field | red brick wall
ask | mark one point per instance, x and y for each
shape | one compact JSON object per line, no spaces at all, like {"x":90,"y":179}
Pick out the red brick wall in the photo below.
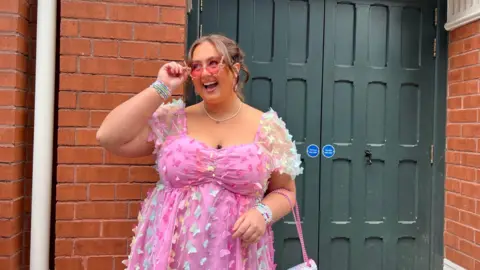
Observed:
{"x":109,"y":51}
{"x":17,"y":32}
{"x":462,"y":209}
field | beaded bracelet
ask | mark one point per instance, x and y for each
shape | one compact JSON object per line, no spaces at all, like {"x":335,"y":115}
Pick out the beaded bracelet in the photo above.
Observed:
{"x":161,"y":89}
{"x":265,"y":211}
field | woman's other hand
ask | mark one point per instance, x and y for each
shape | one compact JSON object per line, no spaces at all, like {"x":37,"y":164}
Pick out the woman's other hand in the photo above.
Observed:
{"x":172,"y":75}
{"x":250,"y":227}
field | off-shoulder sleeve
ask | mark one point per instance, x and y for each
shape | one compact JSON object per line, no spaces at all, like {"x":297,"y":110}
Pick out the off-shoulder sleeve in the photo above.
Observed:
{"x":278,"y":141}
{"x":165,"y":122}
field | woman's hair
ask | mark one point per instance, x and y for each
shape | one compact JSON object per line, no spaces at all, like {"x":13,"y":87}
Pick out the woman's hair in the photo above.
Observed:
{"x":231,"y":53}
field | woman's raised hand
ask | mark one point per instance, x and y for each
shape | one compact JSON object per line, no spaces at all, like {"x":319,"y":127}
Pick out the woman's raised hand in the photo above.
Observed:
{"x":172,"y":75}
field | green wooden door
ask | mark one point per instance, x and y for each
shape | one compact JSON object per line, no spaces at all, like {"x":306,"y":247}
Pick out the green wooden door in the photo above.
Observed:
{"x":278,"y":38}
{"x":378,"y":92}
{"x":358,"y":76}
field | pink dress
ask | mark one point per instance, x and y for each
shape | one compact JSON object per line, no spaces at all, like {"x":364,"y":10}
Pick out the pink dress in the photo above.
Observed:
{"x":186,"y":220}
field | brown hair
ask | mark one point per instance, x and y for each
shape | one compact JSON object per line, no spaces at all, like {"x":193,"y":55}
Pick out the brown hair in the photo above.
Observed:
{"x":231,"y":53}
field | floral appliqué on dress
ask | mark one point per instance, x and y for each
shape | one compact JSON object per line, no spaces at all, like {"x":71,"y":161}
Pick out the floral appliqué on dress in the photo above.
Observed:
{"x":186,"y":221}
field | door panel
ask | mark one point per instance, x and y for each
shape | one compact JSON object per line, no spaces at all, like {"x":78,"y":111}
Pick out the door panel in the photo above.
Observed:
{"x":283,"y":44}
{"x":378,"y":97}
{"x":365,"y":80}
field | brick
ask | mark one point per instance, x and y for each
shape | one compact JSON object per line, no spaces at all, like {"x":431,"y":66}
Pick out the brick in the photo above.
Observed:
{"x":82,"y":82}
{"x":462,"y":116}
{"x":11,"y":135}
{"x":452,"y":213}
{"x":464,"y":60}
{"x":101,"y":101}
{"x":178,"y":3}
{"x":12,"y":79}
{"x":83,"y":10}
{"x":65,"y":173}
{"x":147,"y":68}
{"x":13,"y":43}
{"x":471,"y":73}
{"x":460,"y":144}
{"x":14,"y":61}
{"x":118,"y":228}
{"x":101,"y":192}
{"x":11,"y":209}
{"x":101,"y":210}
{"x":65,"y":211}
{"x":86,"y":137}
{"x":11,"y":190}
{"x":76,"y":46}
{"x":100,"y":263}
{"x":139,"y":50}
{"x":63,"y":247}
{"x":113,"y":159}
{"x":12,"y":153}
{"x":455,"y":48}
{"x":74,"y":229}
{"x":124,"y":84}
{"x":143,"y":174}
{"x":68,"y":192}
{"x":460,"y":259}
{"x":455,"y":75}
{"x":13,"y":23}
{"x":471,"y":190}
{"x":454,"y":103}
{"x":463,"y":88}
{"x":105,"y":48}
{"x":96,"y":118}
{"x":68,"y":63}
{"x":67,"y":118}
{"x":67,"y":99}
{"x":461,"y":172}
{"x":102,"y":174}
{"x":459,"y":230}
{"x":10,"y":227}
{"x":172,"y":51}
{"x":66,"y":136}
{"x":69,"y":263}
{"x":166,"y":33}
{"x":173,"y":15}
{"x":105,"y":247}
{"x":10,"y":246}
{"x":146,"y":14}
{"x":128,"y":192}
{"x":79,"y":155}
{"x":69,"y":28}
{"x":471,"y":43}
{"x":106,"y":30}
{"x":105,"y":66}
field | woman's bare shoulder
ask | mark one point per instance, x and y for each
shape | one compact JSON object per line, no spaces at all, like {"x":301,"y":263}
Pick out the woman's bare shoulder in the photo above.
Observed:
{"x":254,"y":112}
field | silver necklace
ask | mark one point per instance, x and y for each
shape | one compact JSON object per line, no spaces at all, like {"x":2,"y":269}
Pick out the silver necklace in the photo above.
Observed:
{"x":218,"y":121}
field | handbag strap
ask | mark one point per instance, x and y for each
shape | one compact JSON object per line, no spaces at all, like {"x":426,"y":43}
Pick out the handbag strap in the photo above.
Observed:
{"x":296,"y":217}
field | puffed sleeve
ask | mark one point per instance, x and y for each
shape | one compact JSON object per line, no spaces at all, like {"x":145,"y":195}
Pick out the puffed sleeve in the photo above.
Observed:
{"x":278,"y":141}
{"x":164,"y":122}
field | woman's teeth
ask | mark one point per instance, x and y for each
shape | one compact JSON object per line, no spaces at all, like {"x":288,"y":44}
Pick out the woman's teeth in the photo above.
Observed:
{"x":210,"y":85}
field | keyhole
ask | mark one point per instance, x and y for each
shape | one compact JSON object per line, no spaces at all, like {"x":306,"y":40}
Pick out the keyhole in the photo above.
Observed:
{"x":368,"y":155}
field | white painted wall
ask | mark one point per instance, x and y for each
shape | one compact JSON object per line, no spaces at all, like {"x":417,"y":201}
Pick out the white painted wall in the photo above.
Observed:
{"x":461,"y":12}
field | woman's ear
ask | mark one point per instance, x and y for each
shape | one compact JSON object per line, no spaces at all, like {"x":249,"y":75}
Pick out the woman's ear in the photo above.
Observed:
{"x":236,"y":69}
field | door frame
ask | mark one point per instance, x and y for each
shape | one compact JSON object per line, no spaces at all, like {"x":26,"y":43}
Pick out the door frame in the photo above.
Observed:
{"x":440,"y":110}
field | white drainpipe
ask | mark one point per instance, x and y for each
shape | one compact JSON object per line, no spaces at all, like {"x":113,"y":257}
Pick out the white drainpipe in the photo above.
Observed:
{"x":43,"y":134}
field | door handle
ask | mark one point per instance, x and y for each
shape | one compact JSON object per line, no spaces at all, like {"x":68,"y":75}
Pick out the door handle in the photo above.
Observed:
{"x":368,"y":156}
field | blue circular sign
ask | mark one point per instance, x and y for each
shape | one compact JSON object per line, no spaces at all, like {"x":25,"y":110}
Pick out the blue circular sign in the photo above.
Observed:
{"x":313,"y":150}
{"x":328,"y":151}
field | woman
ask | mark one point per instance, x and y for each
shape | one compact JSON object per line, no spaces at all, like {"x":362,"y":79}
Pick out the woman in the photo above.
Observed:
{"x":218,"y":160}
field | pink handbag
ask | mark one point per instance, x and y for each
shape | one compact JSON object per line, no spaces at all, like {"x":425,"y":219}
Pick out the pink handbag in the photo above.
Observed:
{"x":308,"y":264}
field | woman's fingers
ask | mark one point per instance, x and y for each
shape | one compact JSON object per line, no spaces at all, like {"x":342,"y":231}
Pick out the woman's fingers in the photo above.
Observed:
{"x":241,"y":230}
